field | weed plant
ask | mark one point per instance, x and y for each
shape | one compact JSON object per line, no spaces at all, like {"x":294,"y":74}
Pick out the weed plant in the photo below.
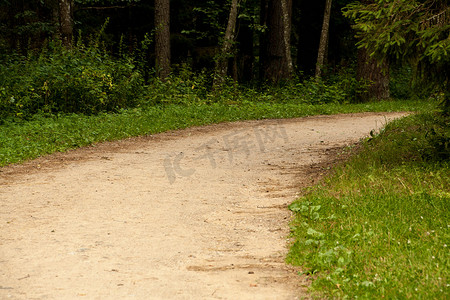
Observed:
{"x":379,"y":227}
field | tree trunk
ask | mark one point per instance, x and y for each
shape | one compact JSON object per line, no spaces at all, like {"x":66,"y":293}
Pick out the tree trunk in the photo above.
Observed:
{"x":264,"y":12}
{"x":222,"y":61}
{"x":276,"y":65}
{"x":286,"y":12}
{"x":374,"y":75}
{"x":323,"y":39}
{"x":162,"y":37}
{"x":66,"y":22}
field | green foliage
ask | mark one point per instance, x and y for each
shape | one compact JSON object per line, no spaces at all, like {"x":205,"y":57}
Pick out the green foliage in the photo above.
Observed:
{"x":340,"y":87}
{"x":400,"y":83}
{"x":404,"y":29}
{"x":87,"y":80}
{"x":33,"y":25}
{"x":141,"y":55}
{"x":208,"y":24}
{"x":408,"y":32}
{"x":186,"y":88}
{"x":378,"y":228}
{"x":82,"y":80}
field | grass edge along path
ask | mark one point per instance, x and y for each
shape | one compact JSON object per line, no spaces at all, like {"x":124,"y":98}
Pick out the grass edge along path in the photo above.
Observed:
{"x":379,"y":226}
{"x":28,"y":140}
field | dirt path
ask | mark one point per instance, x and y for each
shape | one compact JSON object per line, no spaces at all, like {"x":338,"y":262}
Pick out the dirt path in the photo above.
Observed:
{"x":193,"y":214}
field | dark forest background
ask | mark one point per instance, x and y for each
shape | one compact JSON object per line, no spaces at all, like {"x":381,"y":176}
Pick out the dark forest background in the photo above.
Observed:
{"x":88,"y":56}
{"x":196,"y":30}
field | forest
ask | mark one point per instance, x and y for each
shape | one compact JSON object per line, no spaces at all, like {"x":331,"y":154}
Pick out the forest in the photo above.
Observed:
{"x":75,"y":73}
{"x":89,"y":56}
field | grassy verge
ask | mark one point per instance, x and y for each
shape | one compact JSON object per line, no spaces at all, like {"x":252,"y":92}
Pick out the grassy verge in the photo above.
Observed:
{"x":40,"y":136}
{"x":379,"y":226}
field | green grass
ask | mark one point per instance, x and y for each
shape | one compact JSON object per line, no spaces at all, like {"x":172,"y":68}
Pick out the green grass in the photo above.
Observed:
{"x":27,"y":140}
{"x":379,"y":226}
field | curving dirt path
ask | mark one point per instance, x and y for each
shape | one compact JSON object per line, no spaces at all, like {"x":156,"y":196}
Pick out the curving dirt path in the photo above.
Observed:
{"x":192,"y":214}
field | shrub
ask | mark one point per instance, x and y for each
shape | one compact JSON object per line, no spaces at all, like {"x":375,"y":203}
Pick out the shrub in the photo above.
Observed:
{"x":400,"y":82}
{"x":81,"y":80}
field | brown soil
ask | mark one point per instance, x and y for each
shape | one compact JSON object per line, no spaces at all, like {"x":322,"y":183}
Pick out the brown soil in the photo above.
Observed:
{"x":192,"y":214}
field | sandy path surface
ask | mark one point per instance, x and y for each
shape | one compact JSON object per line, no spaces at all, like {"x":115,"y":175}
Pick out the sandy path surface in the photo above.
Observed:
{"x":193,"y":214}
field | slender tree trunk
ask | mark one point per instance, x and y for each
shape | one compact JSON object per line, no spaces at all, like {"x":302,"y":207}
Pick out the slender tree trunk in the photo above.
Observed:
{"x":264,"y":11}
{"x":323,"y":39}
{"x":374,"y":75}
{"x":222,"y":61}
{"x":66,"y":22}
{"x":287,"y":34}
{"x":274,"y":48}
{"x":162,"y":37}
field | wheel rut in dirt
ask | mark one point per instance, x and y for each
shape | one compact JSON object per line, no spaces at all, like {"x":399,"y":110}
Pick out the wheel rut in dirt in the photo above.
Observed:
{"x":199,"y":213}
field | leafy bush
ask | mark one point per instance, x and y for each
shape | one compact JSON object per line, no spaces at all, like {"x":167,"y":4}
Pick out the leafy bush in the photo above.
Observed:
{"x":400,"y":82}
{"x":340,"y":87}
{"x":320,"y":92}
{"x":87,"y":80}
{"x":182,"y":87}
{"x":81,"y":80}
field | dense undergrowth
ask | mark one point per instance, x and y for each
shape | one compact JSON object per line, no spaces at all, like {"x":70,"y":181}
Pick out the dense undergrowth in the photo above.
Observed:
{"x":55,"y":80}
{"x":379,"y":226}
{"x":88,"y":80}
